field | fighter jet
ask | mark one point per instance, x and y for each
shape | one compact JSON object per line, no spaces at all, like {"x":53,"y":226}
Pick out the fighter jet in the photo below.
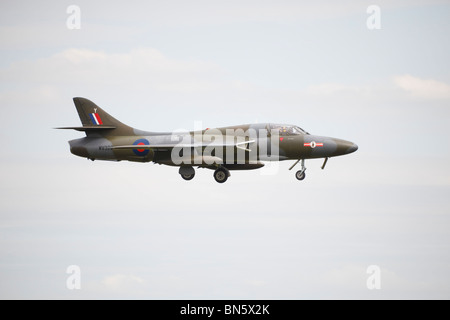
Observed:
{"x":242,"y":147}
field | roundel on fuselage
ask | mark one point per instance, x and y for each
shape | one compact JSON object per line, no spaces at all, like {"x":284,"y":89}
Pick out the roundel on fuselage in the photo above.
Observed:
{"x":141,"y":152}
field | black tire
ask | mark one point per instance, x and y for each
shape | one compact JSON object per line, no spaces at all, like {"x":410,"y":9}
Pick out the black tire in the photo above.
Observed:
{"x":300,"y":175}
{"x":221,"y":175}
{"x":187,"y":176}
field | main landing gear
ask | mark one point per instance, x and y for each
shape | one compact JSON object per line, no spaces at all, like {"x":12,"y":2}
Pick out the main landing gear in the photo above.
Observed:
{"x":220,"y":175}
{"x":187,"y":172}
{"x":188,"y":176}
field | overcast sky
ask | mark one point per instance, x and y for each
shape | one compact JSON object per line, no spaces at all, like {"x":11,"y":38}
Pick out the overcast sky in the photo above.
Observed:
{"x":140,"y":231}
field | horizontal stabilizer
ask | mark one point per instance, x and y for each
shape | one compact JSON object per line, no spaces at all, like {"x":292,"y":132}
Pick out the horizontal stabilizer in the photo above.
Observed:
{"x":89,"y":128}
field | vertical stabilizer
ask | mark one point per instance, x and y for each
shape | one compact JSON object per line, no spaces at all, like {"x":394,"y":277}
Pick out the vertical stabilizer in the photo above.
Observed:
{"x":94,"y":118}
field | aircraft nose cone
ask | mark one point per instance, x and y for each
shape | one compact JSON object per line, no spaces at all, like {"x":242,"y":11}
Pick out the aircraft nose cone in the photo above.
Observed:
{"x":352,"y":148}
{"x":344,"y":147}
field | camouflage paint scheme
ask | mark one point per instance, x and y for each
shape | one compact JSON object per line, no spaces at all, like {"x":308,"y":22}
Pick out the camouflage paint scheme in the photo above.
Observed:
{"x":240,"y":147}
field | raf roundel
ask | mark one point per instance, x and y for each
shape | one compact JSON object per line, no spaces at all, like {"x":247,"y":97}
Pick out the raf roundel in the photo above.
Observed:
{"x":313,"y":144}
{"x":141,"y":152}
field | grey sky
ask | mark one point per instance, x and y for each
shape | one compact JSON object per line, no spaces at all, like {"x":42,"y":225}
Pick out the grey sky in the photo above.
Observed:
{"x":140,"y":231}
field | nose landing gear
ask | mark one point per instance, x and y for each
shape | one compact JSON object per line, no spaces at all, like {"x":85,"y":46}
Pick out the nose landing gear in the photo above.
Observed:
{"x":300,"y":174}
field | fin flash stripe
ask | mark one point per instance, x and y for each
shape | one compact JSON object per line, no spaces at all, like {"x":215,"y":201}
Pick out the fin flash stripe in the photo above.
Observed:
{"x":95,"y":118}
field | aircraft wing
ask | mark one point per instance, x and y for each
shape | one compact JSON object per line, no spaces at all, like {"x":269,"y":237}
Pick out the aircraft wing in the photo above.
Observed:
{"x":245,"y":145}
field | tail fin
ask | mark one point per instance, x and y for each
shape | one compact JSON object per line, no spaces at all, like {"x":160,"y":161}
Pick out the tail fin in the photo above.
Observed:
{"x":92,"y":115}
{"x":95,"y":119}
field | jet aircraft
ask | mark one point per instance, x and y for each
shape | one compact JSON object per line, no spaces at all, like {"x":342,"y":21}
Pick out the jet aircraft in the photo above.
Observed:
{"x":242,"y":147}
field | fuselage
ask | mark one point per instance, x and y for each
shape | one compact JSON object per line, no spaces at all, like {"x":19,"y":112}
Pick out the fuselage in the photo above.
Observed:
{"x":255,"y":143}
{"x":243,"y":147}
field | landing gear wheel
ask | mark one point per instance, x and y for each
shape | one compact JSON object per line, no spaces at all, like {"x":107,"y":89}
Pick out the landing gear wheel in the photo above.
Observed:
{"x":187,"y":172}
{"x":300,"y":174}
{"x":221,"y":175}
{"x":187,"y":176}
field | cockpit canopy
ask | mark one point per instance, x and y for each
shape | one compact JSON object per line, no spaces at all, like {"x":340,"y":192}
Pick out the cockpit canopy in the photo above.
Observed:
{"x":286,"y":129}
